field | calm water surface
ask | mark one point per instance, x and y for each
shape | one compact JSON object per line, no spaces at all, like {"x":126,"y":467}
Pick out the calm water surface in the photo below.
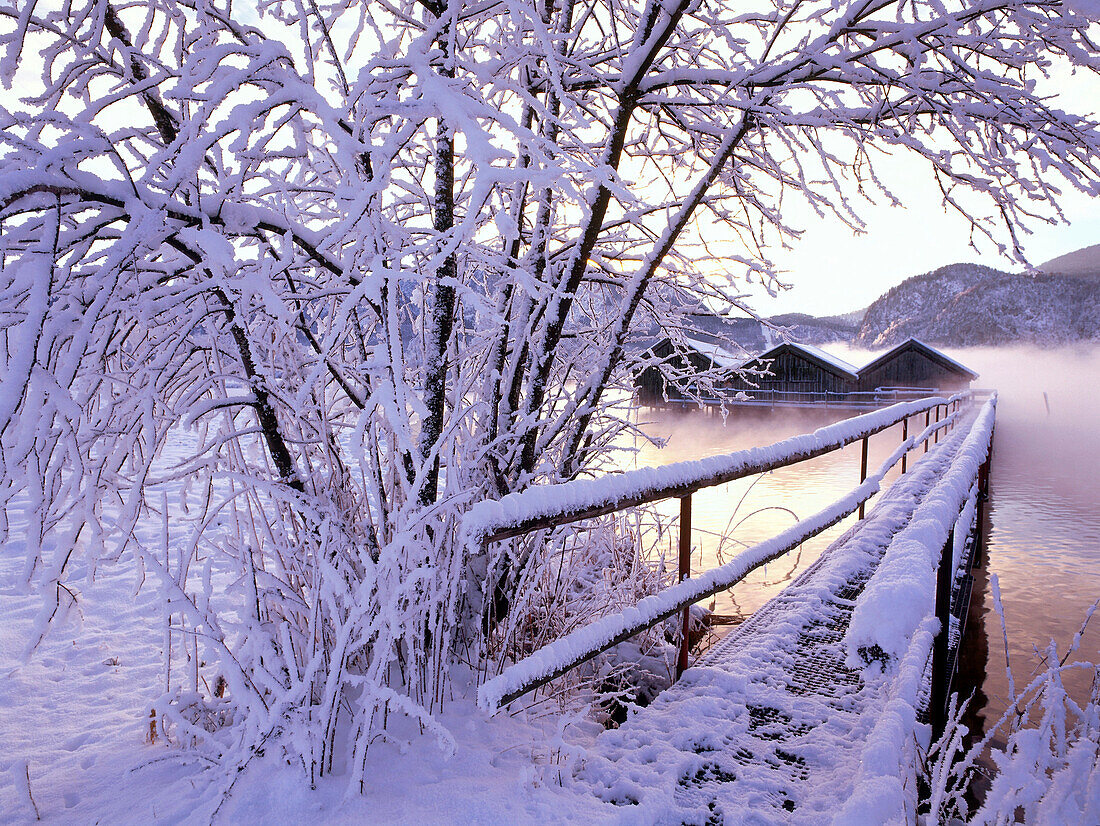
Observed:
{"x":1044,"y":538}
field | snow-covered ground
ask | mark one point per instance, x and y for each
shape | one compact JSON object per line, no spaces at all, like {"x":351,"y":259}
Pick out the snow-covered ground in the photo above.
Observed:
{"x":72,"y":712}
{"x":74,"y":718}
{"x":74,"y":729}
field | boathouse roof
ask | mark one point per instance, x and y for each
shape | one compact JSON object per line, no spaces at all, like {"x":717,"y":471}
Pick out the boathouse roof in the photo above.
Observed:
{"x":826,"y":361}
{"x":931,"y":353}
{"x":714,"y":351}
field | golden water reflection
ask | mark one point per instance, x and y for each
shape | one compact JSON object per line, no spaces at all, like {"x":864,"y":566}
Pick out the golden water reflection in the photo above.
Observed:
{"x":728,"y":518}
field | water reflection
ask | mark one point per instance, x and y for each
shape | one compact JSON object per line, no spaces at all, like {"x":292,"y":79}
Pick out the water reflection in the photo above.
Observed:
{"x":728,"y":518}
{"x":1044,"y":538}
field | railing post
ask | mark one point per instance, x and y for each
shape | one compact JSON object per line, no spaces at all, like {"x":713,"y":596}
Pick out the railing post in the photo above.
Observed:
{"x":685,"y":572}
{"x":927,"y":421}
{"x":904,"y":436}
{"x":945,"y":576}
{"x":863,"y":472}
{"x":983,"y":498}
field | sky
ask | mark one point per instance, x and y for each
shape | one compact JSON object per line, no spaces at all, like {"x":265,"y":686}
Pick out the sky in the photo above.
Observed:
{"x":833,"y":271}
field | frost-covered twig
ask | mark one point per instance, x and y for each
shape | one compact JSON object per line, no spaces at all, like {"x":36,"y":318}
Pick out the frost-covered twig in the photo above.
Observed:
{"x":1048,"y":768}
{"x":325,"y":274}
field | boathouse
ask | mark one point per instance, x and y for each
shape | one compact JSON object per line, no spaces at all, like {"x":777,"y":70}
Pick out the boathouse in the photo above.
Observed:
{"x":796,"y":374}
{"x":914,"y":364}
{"x":671,"y":370}
{"x":792,"y":374}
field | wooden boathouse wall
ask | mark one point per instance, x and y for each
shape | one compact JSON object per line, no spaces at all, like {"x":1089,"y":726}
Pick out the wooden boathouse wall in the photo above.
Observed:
{"x":797,"y":373}
{"x":914,"y":364}
{"x":654,"y":384}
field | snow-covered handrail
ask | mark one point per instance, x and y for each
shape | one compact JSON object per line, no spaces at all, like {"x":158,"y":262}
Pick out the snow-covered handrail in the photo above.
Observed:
{"x":547,"y":506}
{"x":895,"y":614}
{"x":566,"y":653}
{"x":900,"y":593}
{"x":814,"y":399}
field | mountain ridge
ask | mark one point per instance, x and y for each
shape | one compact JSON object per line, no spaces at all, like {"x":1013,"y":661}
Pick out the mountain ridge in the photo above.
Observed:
{"x":959,"y":305}
{"x":974,"y":305}
{"x":1084,"y":262}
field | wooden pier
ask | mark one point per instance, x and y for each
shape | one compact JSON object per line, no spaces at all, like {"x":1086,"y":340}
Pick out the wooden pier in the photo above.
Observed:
{"x":790,"y":712}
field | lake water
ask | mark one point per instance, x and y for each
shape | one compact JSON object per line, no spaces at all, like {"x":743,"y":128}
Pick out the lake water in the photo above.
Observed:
{"x":1044,"y":533}
{"x":1044,"y":538}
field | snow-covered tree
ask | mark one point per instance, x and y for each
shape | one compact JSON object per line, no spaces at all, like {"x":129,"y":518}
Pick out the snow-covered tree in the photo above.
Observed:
{"x":288,"y":285}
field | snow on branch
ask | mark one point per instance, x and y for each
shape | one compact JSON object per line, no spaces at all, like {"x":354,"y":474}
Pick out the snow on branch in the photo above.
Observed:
{"x":350,"y":268}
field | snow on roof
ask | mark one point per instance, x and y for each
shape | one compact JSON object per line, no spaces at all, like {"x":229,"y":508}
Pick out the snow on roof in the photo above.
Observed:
{"x":814,"y":353}
{"x":836,"y":361}
{"x":946,"y":359}
{"x":714,"y":351}
{"x":843,"y":366}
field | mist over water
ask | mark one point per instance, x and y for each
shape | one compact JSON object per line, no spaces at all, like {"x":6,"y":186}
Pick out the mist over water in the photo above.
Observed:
{"x":1044,"y":540}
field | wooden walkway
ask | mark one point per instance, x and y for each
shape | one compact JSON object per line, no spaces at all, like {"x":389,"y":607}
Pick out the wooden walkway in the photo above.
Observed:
{"x":772,"y":725}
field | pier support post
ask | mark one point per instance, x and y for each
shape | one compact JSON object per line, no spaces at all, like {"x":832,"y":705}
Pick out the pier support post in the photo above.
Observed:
{"x":945,"y":575}
{"x":685,"y":572}
{"x":981,"y":516}
{"x":904,"y":436}
{"x":863,"y":473}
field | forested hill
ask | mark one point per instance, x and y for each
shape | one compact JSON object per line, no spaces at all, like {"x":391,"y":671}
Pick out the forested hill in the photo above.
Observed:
{"x":959,"y":305}
{"x":970,"y":304}
{"x":1083,"y":262}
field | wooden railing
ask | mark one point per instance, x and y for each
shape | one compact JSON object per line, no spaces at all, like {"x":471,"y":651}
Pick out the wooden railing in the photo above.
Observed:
{"x":534,"y":510}
{"x":846,"y":400}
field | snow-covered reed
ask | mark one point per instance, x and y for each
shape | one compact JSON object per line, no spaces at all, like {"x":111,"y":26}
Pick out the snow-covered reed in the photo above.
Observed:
{"x":600,"y":568}
{"x":1041,"y":758}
